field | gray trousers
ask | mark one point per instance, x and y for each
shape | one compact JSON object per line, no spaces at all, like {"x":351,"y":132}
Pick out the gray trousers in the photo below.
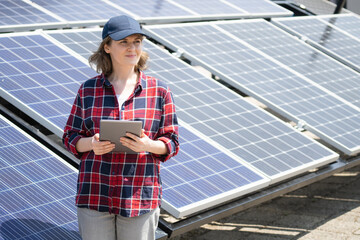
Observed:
{"x":94,"y":225}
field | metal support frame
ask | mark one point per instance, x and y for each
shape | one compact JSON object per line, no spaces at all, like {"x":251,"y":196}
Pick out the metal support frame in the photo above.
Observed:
{"x":340,"y":4}
{"x":185,"y":225}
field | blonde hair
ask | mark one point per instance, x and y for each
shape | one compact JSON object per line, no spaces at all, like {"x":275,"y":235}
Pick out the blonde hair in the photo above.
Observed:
{"x":103,"y":63}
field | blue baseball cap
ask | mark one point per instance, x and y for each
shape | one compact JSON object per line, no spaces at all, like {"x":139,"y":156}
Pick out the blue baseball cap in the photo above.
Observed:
{"x":120,"y":27}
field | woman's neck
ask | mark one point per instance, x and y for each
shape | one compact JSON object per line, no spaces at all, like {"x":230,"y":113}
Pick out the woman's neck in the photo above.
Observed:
{"x":123,"y":75}
{"x":123,"y":82}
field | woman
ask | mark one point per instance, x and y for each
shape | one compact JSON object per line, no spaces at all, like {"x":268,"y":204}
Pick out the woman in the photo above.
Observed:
{"x":119,"y":194}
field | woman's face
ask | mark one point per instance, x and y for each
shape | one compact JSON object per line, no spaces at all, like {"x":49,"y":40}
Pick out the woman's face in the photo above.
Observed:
{"x":126,"y":51}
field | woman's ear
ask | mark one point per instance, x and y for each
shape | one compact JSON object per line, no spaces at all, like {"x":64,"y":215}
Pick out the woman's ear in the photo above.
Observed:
{"x":106,"y":48}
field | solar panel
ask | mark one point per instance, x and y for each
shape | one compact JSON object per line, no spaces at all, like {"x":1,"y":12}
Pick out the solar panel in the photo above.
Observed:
{"x":228,"y":120}
{"x":349,"y":23}
{"x":171,"y":11}
{"x":82,"y":41}
{"x":249,"y":132}
{"x":147,"y":9}
{"x":42,"y":14}
{"x":258,"y":8}
{"x":202,"y":176}
{"x":260,"y":76}
{"x":17,"y":12}
{"x":40,"y":78}
{"x":324,"y":36}
{"x":80,"y":10}
{"x":212,"y":7}
{"x":306,"y":60}
{"x":37,"y":189}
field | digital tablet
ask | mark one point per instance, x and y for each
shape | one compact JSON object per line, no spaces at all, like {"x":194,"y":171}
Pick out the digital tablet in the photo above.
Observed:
{"x":113,"y":130}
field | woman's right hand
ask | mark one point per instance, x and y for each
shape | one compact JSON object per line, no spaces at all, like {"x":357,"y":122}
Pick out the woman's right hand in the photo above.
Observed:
{"x":101,"y":147}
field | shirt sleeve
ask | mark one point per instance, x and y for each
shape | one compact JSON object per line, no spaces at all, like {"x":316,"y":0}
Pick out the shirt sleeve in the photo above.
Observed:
{"x":169,"y":129}
{"x":74,"y":128}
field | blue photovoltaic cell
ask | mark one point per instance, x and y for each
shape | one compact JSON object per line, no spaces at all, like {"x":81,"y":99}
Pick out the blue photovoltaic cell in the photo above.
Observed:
{"x":16,"y":12}
{"x":37,"y":189}
{"x":80,"y":10}
{"x":39,"y":76}
{"x":257,"y":75}
{"x":310,"y":62}
{"x":326,"y":37}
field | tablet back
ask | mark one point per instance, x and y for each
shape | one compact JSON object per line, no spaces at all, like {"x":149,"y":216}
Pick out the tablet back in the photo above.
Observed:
{"x":112,"y":130}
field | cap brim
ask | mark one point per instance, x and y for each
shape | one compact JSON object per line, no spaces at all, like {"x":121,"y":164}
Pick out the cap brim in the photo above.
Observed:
{"x":123,"y":34}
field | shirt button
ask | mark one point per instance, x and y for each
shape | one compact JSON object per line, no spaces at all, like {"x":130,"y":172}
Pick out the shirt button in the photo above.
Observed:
{"x":113,"y":172}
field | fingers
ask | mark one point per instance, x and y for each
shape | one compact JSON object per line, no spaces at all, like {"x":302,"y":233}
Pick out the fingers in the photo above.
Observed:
{"x":97,"y":137}
{"x":132,"y":136}
{"x":135,"y":143}
{"x":101,"y":147}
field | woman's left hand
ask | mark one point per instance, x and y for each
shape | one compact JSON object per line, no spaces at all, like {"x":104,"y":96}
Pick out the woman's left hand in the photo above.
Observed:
{"x":135,"y":143}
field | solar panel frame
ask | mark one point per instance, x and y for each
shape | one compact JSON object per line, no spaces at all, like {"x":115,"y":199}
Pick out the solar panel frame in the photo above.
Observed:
{"x":34,"y":207}
{"x":345,"y":52}
{"x":42,"y":79}
{"x":349,"y":150}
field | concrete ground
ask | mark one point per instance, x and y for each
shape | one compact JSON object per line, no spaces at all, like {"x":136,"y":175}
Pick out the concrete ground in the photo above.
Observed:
{"x":325,"y":210}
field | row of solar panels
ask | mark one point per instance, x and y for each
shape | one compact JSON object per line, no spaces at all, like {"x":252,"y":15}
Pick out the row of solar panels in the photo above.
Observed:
{"x":16,"y":15}
{"x":236,"y":148}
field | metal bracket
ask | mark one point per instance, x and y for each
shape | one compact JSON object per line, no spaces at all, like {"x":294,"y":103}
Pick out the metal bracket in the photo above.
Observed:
{"x":179,"y":53}
{"x":300,"y":125}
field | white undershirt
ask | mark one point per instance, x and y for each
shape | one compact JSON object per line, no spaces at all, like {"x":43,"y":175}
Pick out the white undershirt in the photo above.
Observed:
{"x":121,"y":99}
{"x":126,"y":92}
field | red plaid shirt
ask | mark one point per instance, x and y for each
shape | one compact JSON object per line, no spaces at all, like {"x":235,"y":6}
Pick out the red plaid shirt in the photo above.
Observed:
{"x":120,"y":183}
